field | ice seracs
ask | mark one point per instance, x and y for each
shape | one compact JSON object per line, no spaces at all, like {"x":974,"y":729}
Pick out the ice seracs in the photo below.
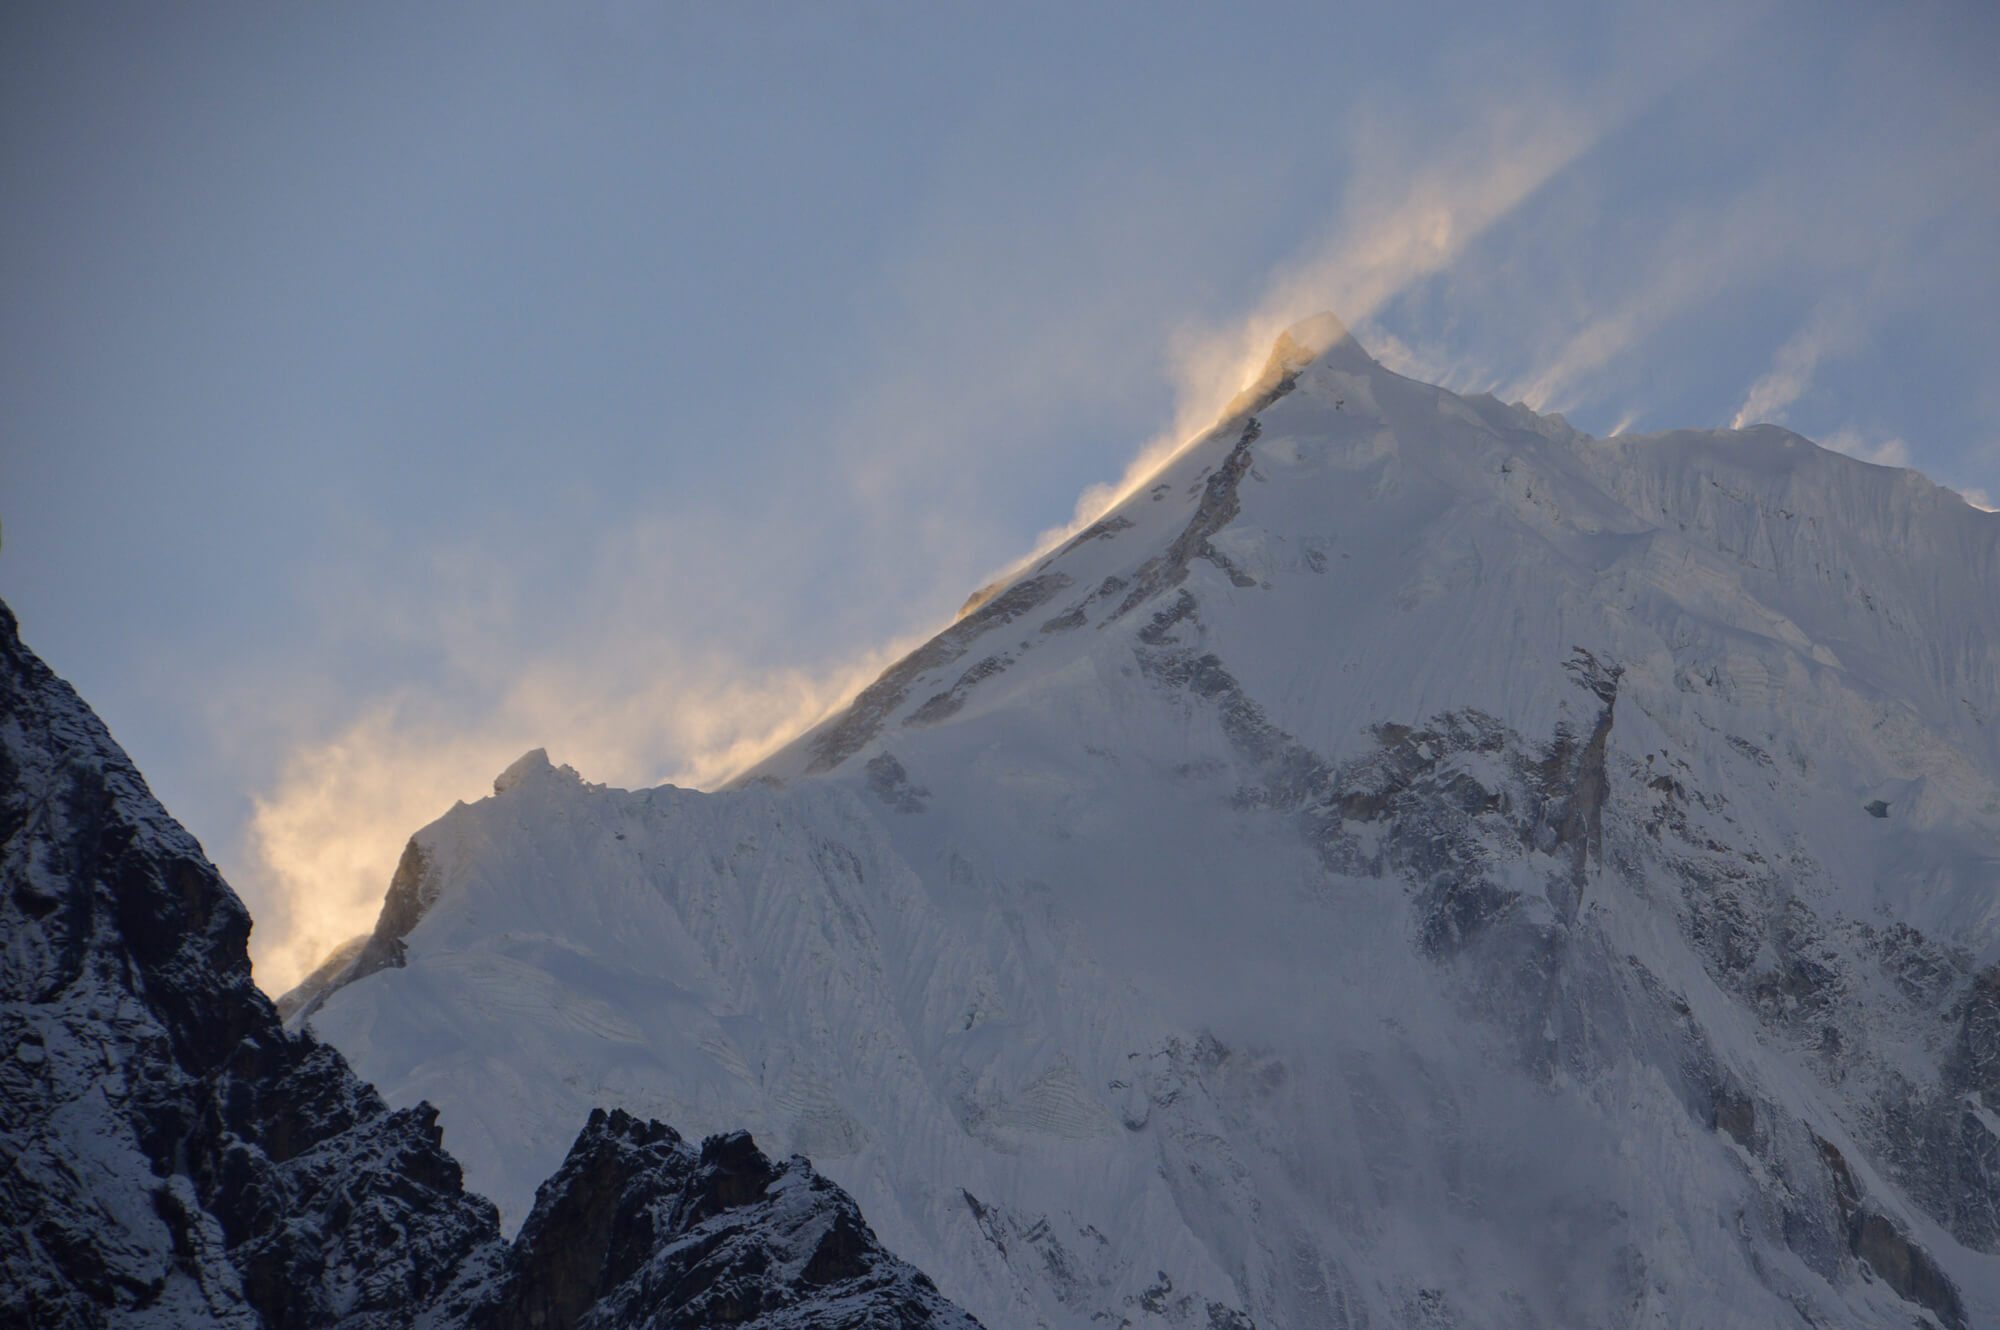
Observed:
{"x":1407,"y":863}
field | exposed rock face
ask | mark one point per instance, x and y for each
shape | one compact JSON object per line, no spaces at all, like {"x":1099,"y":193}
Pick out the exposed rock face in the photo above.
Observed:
{"x":170,"y":1155}
{"x":640,"y":1228}
{"x":864,"y":717}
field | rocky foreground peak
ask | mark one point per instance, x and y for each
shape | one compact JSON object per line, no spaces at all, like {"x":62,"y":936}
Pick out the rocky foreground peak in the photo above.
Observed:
{"x":639,"y":1227}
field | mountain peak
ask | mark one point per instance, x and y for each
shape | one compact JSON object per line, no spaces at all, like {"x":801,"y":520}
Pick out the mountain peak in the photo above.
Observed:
{"x":1312,"y":339}
{"x":1322,"y":339}
{"x":532,"y":765}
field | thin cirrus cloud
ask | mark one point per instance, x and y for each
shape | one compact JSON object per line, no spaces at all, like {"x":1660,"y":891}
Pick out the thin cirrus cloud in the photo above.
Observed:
{"x":1883,"y":452}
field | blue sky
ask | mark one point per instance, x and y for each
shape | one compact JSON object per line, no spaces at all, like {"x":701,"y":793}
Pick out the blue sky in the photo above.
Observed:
{"x":386,"y":389}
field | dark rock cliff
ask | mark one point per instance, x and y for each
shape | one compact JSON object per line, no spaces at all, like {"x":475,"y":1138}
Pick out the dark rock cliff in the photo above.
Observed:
{"x":638,"y":1227}
{"x":167,"y":1151}
{"x":171,"y":1155}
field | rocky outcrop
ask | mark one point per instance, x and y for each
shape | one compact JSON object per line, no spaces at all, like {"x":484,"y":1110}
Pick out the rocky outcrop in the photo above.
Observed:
{"x":1886,"y":1248}
{"x":1468,"y":811}
{"x":638,"y":1227}
{"x":171,"y":1155}
{"x":1414,"y":807}
{"x":1218,"y":508}
{"x":863,"y":718}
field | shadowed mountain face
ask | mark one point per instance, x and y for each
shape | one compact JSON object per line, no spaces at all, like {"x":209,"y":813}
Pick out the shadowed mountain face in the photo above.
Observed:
{"x":1407,"y":864}
{"x":171,"y":1156}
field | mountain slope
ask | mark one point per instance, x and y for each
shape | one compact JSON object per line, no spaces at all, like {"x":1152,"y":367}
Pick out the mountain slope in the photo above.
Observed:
{"x":170,"y":1156}
{"x":1409,"y":863}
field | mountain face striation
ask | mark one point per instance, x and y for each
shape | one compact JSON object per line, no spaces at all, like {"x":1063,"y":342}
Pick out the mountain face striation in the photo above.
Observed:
{"x":1408,"y":864}
{"x":170,"y":1156}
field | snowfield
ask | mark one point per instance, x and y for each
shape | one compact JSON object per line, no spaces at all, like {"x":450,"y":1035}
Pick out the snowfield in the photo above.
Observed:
{"x":1409,"y":864}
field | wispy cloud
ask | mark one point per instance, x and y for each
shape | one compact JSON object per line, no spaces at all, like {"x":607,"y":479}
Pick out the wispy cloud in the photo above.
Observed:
{"x":1695,"y":256}
{"x":1892,"y":451}
{"x":1596,"y":344}
{"x":1634,"y":283}
{"x":1428,"y":360}
{"x":1985,"y":461}
{"x":1833,"y":329}
{"x":656,"y":671}
{"x":1856,"y":443}
{"x":1407,"y":214}
{"x":323,"y":840}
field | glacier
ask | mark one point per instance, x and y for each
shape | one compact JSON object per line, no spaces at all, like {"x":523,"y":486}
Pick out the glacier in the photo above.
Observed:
{"x":1407,"y":863}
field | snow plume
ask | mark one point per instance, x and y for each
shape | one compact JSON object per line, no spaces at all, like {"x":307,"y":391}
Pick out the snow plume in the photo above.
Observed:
{"x":1987,"y":460}
{"x":607,"y":684}
{"x":1429,"y":360}
{"x":1861,"y":229}
{"x":323,"y":843}
{"x":1691,"y":261}
{"x":1421,"y":187}
{"x":1397,"y":225}
{"x":1832,"y":330}
{"x":1853,"y":442}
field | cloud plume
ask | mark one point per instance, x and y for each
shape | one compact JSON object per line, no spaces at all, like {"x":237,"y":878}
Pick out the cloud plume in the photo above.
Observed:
{"x":1882,"y":452}
{"x":323,"y":840}
{"x":602,"y":673}
{"x":1407,"y":214}
{"x":1833,"y":329}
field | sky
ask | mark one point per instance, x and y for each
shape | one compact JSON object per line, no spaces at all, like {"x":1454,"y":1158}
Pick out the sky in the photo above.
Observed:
{"x":388,"y":389}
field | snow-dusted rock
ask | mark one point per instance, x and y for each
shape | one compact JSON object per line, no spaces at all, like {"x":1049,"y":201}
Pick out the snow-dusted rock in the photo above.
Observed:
{"x":638,"y":1227}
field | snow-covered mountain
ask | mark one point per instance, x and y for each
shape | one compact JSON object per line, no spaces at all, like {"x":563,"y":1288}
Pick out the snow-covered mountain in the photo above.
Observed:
{"x":171,"y":1157}
{"x":1409,"y":863}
